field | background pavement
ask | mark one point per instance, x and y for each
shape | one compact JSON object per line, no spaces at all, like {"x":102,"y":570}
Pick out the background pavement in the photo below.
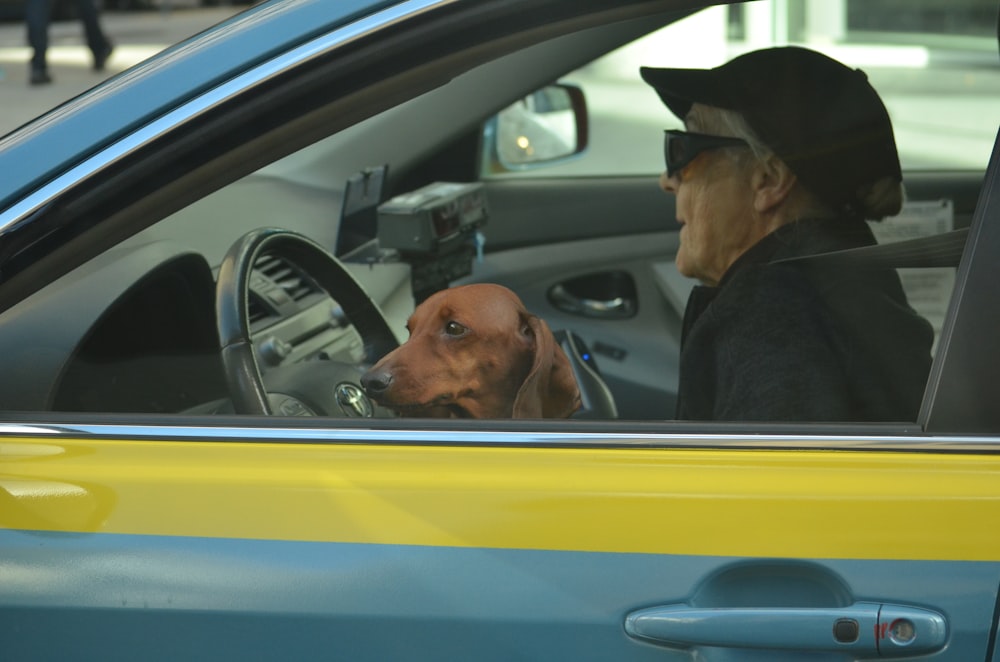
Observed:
{"x":135,"y":34}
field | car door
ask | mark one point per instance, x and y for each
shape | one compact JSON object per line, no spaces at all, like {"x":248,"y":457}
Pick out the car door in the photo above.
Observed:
{"x":350,"y":544}
{"x":396,"y":539}
{"x":185,"y":536}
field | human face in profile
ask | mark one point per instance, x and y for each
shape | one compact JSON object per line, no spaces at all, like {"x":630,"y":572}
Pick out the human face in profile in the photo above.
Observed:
{"x":714,"y":205}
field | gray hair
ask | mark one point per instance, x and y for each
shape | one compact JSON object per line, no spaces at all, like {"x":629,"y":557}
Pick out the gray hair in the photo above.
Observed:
{"x":879,"y":199}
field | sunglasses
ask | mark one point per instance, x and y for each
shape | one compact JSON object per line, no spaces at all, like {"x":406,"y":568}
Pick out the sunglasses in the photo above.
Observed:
{"x":680,"y":147}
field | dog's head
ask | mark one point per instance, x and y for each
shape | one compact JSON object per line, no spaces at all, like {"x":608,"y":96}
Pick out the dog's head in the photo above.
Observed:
{"x":475,"y":351}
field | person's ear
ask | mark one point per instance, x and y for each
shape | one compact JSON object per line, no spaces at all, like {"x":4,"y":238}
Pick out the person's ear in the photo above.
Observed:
{"x":772,"y":183}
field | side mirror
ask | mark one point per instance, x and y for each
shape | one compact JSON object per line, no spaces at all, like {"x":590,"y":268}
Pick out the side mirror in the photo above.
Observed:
{"x":545,"y":127}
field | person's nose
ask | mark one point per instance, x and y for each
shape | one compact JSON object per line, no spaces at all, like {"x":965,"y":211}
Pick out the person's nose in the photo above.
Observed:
{"x":668,"y":184}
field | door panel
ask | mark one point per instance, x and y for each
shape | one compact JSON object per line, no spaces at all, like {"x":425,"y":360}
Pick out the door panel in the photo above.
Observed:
{"x":369,"y":550}
{"x":112,"y":596}
{"x":537,"y":210}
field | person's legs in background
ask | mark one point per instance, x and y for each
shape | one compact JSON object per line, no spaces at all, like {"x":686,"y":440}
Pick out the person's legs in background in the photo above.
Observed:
{"x":98,"y":43}
{"x":36,"y":15}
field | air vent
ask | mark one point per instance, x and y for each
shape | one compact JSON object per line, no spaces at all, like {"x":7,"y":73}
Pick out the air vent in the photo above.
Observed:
{"x":286,"y":276}
{"x":256,"y":310}
{"x":271,"y":273}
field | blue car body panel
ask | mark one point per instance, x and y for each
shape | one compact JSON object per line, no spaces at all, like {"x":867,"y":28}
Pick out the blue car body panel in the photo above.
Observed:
{"x":204,"y":598}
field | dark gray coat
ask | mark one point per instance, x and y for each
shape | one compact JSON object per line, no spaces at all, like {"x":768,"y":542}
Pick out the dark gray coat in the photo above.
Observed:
{"x":800,"y":342}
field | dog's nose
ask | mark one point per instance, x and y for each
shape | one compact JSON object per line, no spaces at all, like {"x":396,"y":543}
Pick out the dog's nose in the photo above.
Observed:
{"x":375,"y":382}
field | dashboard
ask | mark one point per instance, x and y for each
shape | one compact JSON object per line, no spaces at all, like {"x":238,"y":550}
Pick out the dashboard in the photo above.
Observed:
{"x":134,"y":331}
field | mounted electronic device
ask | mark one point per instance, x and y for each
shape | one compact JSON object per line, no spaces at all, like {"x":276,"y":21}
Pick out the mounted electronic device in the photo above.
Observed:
{"x":436,"y":231}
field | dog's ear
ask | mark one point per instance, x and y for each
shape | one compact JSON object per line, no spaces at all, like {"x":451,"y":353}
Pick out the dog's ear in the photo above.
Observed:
{"x":550,"y":389}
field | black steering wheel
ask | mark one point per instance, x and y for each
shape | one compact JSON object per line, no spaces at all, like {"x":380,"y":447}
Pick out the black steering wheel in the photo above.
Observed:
{"x":318,"y":387}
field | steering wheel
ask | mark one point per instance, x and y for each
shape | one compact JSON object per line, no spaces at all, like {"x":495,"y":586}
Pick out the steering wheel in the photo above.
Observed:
{"x":323,"y":387}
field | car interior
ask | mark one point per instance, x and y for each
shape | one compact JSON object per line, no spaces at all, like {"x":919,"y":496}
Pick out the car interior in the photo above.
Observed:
{"x":582,"y":232}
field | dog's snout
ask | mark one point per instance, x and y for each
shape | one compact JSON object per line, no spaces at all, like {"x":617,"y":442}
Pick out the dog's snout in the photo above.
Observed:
{"x":375,"y":382}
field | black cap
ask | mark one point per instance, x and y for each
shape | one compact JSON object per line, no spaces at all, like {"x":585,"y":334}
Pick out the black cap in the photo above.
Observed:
{"x":820,"y":117}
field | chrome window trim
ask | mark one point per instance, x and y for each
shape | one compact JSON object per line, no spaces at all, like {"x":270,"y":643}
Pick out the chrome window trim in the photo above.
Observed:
{"x":692,"y":440}
{"x":22,"y":210}
{"x":960,"y":394}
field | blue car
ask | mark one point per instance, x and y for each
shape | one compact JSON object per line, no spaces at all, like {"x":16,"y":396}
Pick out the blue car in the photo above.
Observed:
{"x":202,"y":257}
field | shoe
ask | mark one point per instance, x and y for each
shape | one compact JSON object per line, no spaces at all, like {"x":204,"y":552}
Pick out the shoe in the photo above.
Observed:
{"x":101,"y":57}
{"x":39,"y":77}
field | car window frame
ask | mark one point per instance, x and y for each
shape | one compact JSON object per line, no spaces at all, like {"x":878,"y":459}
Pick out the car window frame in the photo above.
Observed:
{"x":940,"y":406}
{"x":963,"y":375}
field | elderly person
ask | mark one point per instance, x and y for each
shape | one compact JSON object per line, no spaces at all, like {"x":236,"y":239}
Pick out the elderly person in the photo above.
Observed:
{"x":786,"y":153}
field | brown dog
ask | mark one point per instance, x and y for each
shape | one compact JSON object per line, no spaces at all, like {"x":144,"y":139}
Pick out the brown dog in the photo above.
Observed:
{"x":475,"y":352}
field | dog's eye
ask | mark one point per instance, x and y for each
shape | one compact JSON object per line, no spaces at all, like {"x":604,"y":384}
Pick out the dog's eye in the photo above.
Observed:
{"x":454,"y":329}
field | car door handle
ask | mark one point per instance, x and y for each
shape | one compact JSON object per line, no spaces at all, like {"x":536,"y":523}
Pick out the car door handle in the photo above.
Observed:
{"x":613,"y":308}
{"x":866,"y":628}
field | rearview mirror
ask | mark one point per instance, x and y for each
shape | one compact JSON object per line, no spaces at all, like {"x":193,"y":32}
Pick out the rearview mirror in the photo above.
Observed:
{"x":547,"y":126}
